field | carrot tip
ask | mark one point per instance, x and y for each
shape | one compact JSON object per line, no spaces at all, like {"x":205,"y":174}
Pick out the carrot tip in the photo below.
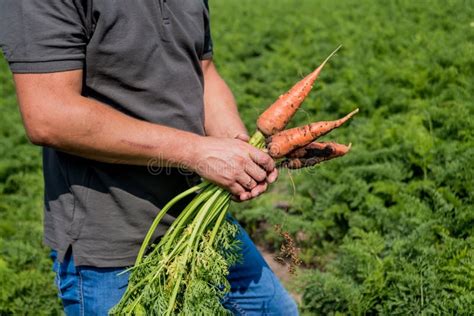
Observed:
{"x":352,"y":113}
{"x":329,"y":57}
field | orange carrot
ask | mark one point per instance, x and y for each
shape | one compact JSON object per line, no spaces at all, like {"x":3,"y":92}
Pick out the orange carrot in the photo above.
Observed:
{"x":286,"y":141}
{"x":313,"y":154}
{"x":277,"y":116}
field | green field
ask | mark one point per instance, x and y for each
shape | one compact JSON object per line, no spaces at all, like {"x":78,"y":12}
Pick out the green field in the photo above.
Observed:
{"x":388,"y":229}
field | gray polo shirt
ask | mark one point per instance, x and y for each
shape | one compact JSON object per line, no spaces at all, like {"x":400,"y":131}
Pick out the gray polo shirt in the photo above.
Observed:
{"x":141,"y":57}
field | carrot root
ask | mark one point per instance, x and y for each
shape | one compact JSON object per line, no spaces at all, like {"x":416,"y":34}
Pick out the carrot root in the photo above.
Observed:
{"x":280,"y":144}
{"x":277,"y":116}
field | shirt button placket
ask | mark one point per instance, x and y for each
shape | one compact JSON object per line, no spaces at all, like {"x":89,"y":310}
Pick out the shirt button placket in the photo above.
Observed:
{"x":165,"y":21}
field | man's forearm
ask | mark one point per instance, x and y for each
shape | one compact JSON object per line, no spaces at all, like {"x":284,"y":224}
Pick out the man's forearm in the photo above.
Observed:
{"x":222,"y":118}
{"x":84,"y":127}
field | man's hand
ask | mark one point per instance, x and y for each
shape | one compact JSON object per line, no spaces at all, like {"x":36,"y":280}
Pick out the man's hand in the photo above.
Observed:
{"x":261,"y":187}
{"x":223,"y":120}
{"x":233,"y":164}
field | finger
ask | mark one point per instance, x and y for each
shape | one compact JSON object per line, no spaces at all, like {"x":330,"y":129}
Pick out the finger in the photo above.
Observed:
{"x":236,"y":189}
{"x":254,"y":170}
{"x":243,"y":137}
{"x":259,"y":189}
{"x":262,"y":159}
{"x":245,"y":196}
{"x":246,"y":181}
{"x":272,"y":176}
{"x":236,"y":198}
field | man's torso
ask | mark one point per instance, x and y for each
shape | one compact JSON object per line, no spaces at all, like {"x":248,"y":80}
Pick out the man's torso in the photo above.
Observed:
{"x":142,"y":58}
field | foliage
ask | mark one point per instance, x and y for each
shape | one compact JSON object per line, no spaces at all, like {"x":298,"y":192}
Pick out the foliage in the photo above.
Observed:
{"x":388,"y":228}
{"x":385,"y":230}
{"x":186,"y":270}
{"x":26,"y":280}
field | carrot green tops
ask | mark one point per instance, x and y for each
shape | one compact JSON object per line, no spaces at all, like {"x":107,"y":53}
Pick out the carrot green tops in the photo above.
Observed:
{"x":140,"y":57}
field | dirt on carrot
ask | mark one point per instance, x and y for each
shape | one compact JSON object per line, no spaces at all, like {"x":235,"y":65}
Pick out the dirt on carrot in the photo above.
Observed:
{"x":313,"y":154}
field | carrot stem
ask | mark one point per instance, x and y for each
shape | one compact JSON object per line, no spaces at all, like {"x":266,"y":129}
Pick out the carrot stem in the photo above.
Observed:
{"x":162,"y":213}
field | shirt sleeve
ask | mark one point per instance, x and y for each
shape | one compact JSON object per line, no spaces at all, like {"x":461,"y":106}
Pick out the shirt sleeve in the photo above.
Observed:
{"x":207,"y":52}
{"x":39,"y":36}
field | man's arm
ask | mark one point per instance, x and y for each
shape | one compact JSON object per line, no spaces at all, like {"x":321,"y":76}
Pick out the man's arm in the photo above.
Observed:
{"x":56,"y":115}
{"x":222,"y":118}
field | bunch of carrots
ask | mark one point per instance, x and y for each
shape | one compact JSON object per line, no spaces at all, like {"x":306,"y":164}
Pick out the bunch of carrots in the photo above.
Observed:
{"x":185,"y":272}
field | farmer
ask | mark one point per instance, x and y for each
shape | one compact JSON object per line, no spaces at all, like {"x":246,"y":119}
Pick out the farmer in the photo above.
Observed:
{"x":112,"y":90}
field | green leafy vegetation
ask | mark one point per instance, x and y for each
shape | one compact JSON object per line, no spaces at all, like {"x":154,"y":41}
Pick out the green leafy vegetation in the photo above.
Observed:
{"x":26,"y":280}
{"x":387,"y":229}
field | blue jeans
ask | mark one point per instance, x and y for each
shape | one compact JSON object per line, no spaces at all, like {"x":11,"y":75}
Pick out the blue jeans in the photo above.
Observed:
{"x":255,"y":290}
